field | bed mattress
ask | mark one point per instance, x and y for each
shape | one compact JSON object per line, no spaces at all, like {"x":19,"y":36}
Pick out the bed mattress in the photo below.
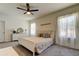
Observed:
{"x":39,"y":43}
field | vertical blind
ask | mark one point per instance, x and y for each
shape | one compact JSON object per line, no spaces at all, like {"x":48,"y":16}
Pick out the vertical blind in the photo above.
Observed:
{"x":66,"y":26}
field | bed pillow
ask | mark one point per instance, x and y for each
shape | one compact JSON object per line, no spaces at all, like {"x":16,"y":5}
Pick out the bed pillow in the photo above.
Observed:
{"x":46,"y":35}
{"x":40,"y":35}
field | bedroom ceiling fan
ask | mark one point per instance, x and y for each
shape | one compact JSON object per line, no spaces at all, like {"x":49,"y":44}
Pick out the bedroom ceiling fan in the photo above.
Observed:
{"x":27,"y":9}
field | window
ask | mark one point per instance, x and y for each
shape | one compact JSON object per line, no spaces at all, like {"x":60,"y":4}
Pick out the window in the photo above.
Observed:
{"x":33,"y":29}
{"x":66,"y":26}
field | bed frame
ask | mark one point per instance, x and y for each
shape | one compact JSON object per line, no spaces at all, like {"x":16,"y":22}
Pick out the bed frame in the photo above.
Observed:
{"x":29,"y":45}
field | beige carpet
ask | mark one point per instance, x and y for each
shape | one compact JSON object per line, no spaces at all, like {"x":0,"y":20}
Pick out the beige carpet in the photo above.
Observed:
{"x":51,"y":51}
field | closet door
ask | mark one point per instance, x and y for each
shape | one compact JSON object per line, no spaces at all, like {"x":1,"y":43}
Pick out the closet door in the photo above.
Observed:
{"x":2,"y":31}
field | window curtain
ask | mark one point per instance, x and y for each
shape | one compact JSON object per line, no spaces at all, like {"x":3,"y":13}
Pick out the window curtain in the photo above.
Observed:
{"x":33,"y":29}
{"x":67,"y":26}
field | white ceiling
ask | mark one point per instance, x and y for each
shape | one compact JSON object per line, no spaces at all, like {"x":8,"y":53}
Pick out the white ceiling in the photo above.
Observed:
{"x":9,"y":9}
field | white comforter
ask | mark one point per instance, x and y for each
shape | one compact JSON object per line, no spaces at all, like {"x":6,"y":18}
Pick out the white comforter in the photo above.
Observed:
{"x":39,"y":42}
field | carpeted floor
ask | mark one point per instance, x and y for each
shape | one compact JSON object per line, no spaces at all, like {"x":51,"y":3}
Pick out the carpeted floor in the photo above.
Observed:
{"x":51,"y":51}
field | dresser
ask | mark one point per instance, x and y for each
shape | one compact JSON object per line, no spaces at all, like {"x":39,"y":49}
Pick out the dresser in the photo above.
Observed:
{"x":18,"y":36}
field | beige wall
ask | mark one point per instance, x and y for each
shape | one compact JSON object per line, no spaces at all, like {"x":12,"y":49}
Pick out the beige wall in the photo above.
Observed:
{"x":52,"y":18}
{"x":47,"y":19}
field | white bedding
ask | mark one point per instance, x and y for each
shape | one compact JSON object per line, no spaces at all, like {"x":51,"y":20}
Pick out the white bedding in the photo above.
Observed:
{"x":8,"y":51}
{"x":38,"y":43}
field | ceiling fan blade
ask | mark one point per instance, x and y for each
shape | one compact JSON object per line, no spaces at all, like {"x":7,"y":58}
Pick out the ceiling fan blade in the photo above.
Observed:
{"x":32,"y":13}
{"x":25,"y":12}
{"x":34,"y":10}
{"x":28,"y":11}
{"x":21,"y":8}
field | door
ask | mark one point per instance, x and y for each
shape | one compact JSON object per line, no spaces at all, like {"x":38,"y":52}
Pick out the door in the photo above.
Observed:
{"x":2,"y":31}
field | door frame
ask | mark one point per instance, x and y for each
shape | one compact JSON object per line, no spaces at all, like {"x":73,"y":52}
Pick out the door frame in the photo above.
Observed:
{"x":4,"y":28}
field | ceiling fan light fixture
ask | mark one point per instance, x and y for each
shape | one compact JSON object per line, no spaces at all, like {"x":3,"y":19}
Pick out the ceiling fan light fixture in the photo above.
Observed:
{"x":28,"y":13}
{"x":27,"y":9}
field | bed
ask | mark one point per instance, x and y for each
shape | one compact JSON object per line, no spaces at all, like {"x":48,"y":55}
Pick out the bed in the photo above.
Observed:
{"x":36,"y":44}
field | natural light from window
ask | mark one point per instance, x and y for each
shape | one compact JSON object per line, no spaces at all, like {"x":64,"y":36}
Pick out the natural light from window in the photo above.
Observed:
{"x":33,"y":29}
{"x":66,"y":26}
